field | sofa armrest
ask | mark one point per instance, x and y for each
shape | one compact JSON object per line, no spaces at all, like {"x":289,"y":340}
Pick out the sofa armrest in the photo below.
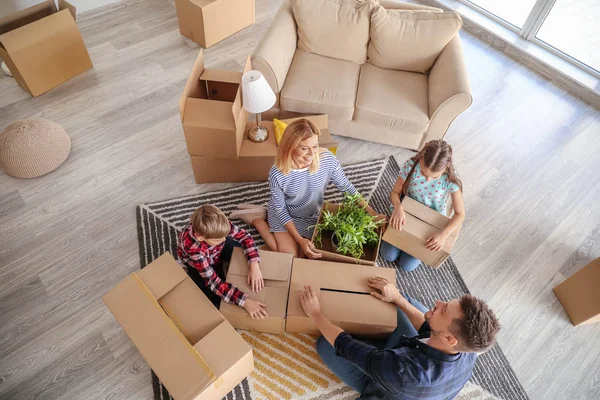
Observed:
{"x":273,"y":55}
{"x":449,"y":90}
{"x":400,"y":5}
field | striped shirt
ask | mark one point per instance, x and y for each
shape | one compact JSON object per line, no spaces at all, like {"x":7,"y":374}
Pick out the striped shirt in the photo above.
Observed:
{"x":299,"y":195}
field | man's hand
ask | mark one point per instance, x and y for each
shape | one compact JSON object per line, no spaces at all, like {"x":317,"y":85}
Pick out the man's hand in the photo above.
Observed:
{"x":310,"y":302}
{"x":398,"y":218}
{"x":308,"y":247}
{"x":255,"y":278}
{"x":436,"y":241}
{"x":388,"y":291}
{"x":255,"y":309}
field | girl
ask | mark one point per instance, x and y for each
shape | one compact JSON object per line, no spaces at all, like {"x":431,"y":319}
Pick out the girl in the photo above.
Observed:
{"x":430,"y":178}
{"x":298,"y":181}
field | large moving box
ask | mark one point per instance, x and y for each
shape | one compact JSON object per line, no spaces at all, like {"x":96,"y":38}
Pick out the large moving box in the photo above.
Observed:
{"x":42,"y":46}
{"x":421,"y":223}
{"x":190,"y":346}
{"x":344,"y":295}
{"x":325,"y":248}
{"x":276,"y":269}
{"x":207,"y":22}
{"x":212,"y":115}
{"x":255,"y":159}
{"x":580,"y":294}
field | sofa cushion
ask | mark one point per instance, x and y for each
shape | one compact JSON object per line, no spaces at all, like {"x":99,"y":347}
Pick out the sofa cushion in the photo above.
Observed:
{"x":334,"y":28}
{"x":410,"y":40}
{"x":392,"y":99}
{"x":320,"y":85}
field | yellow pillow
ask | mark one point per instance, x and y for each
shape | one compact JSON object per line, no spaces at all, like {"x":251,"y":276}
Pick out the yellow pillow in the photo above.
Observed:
{"x":280,"y":128}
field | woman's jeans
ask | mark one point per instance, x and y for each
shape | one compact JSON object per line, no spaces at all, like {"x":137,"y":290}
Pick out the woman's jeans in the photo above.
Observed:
{"x":405,"y":261}
{"x":350,"y":373}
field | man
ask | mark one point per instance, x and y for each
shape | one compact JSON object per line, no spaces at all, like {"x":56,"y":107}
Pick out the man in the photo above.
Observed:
{"x":430,"y":355}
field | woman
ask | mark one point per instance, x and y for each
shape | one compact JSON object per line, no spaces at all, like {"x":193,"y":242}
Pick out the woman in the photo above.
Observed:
{"x":298,"y":181}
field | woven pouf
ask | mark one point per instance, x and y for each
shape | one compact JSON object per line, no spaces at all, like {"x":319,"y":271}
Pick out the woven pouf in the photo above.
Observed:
{"x":33,"y":147}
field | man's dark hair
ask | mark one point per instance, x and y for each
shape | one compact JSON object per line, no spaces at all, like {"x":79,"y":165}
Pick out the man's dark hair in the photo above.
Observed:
{"x":476,"y":331}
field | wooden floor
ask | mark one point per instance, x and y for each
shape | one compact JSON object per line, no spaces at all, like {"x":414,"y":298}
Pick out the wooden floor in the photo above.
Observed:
{"x":527,"y":151}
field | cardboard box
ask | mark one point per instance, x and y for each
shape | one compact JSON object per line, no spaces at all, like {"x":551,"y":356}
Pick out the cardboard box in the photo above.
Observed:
{"x":421,"y":223}
{"x":207,"y":22}
{"x":276,"y":269}
{"x":580,"y":294}
{"x":211,"y":111}
{"x":326,"y":247}
{"x":344,"y":295}
{"x":255,"y":159}
{"x":190,"y":346}
{"x":42,"y":46}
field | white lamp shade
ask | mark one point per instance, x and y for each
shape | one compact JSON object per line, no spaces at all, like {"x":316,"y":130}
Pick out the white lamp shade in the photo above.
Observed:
{"x":257,"y":95}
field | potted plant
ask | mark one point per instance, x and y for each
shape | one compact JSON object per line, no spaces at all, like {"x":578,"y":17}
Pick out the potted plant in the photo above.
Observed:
{"x":351,"y":227}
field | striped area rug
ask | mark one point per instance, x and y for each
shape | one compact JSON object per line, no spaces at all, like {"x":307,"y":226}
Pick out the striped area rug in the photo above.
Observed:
{"x":287,"y":367}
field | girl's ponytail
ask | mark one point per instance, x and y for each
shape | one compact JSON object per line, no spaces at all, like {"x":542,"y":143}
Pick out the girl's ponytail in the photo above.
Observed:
{"x":415,"y":160}
{"x":451,"y":171}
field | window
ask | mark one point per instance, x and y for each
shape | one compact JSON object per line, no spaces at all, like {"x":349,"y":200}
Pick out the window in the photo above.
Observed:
{"x":568,"y":28}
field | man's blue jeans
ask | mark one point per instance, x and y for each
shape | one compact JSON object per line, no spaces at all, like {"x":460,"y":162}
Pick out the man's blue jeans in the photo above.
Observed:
{"x":350,"y":373}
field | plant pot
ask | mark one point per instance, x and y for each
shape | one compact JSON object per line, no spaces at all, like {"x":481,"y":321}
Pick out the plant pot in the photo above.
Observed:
{"x":334,"y":242}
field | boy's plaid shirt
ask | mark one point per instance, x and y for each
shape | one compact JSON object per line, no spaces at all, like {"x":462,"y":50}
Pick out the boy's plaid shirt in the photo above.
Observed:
{"x":200,"y":255}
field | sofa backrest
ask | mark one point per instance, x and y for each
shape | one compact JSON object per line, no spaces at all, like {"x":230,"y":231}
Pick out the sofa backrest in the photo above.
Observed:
{"x":409,"y":40}
{"x":334,"y":28}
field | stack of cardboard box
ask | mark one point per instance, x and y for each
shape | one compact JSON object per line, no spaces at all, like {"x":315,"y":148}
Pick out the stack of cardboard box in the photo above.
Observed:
{"x":215,"y":126}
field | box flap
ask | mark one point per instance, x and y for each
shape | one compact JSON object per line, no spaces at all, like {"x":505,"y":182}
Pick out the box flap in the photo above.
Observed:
{"x":178,"y":365}
{"x":424,"y":213}
{"x":192,"y":87}
{"x":274,"y":297}
{"x":63,"y":5}
{"x":207,"y":113}
{"x":352,"y":278}
{"x":13,"y":68}
{"x":222,"y":348}
{"x":237,"y":107}
{"x":273,"y":265}
{"x":201,"y":3}
{"x":191,"y":310}
{"x":304,"y":272}
{"x":361,"y":309}
{"x":162,"y":275}
{"x":27,"y":16}
{"x":219,"y":75}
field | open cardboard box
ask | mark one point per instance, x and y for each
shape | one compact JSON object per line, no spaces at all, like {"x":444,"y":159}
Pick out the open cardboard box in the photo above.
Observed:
{"x":580,"y":294}
{"x":255,"y":159}
{"x":276,"y":269}
{"x":190,"y":346}
{"x":344,"y":296}
{"x":326,"y":247}
{"x":207,"y":22}
{"x":211,"y":111}
{"x":42,"y":46}
{"x":421,"y":223}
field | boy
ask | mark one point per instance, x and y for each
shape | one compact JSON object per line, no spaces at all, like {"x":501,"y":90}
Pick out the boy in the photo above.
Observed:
{"x":205,"y":243}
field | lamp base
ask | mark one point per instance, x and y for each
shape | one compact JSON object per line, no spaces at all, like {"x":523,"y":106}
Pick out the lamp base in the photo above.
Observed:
{"x":258,"y":134}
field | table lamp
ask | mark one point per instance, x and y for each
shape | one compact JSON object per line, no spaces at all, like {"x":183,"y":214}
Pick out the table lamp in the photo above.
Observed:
{"x":257,"y":98}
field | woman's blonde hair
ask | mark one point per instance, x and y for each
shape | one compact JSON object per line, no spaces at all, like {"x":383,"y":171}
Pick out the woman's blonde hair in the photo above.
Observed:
{"x":295,"y":133}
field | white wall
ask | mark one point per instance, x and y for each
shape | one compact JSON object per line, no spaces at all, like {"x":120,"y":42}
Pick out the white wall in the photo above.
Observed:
{"x":10,"y":6}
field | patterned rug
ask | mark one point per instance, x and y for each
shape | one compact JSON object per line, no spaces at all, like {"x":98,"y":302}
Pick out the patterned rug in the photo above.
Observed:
{"x":287,"y":367}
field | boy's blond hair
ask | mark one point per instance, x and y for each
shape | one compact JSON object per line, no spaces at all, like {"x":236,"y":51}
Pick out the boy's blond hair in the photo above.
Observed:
{"x":294,"y":133}
{"x":209,"y":222}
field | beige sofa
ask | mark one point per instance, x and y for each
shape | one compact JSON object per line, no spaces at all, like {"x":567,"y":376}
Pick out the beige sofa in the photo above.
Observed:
{"x":331,"y":67}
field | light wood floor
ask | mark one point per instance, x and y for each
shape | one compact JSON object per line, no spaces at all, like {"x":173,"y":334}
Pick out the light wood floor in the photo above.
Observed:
{"x":527,"y":151}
